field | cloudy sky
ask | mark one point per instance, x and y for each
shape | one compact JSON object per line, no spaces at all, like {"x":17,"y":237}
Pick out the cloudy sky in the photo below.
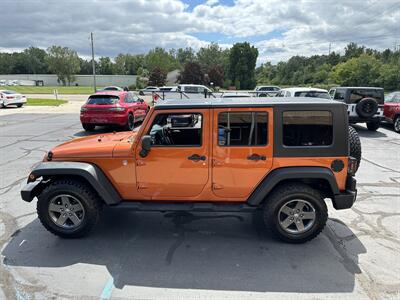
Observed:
{"x":279,"y":28}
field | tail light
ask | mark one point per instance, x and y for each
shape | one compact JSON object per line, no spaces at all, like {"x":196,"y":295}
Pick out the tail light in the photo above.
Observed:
{"x":10,"y":97}
{"x":352,"y":166}
{"x":118,"y":108}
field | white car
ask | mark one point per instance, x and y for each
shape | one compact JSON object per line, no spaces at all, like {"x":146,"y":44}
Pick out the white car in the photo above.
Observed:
{"x":194,"y":89}
{"x":266,"y":90}
{"x":148,"y":90}
{"x":112,"y":88}
{"x":8,"y":97}
{"x":3,"y":82}
{"x":235,"y":95}
{"x":13,"y":82}
{"x":303,"y":92}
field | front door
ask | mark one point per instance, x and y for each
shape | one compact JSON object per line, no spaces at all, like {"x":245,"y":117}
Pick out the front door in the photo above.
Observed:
{"x":242,"y":150}
{"x":177,"y":165}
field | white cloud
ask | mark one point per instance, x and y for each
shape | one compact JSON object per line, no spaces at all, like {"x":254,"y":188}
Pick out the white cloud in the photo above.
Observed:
{"x":307,"y":26}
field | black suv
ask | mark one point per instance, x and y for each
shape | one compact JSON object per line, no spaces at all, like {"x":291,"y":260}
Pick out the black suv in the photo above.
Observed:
{"x":364,"y":104}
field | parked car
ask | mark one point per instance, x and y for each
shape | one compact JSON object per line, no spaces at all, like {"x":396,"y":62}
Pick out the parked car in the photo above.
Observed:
{"x":148,"y":90}
{"x":266,"y":90}
{"x":13,"y":83}
{"x":364,"y":104}
{"x":235,"y":95}
{"x":8,"y":97}
{"x":194,"y":89}
{"x":118,"y":108}
{"x":303,"y":92}
{"x":228,"y":155}
{"x":391,"y":110}
{"x":172,"y":88}
{"x":3,"y":82}
{"x":112,"y":88}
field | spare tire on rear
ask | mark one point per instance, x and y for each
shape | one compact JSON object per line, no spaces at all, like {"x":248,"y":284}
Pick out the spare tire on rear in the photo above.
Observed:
{"x":367,"y":107}
{"x":354,"y":145}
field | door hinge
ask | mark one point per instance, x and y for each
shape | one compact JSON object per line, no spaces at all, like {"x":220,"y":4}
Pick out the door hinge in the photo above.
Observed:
{"x":217,"y":186}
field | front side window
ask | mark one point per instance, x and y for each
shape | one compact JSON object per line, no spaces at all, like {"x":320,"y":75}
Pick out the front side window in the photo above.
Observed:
{"x":242,"y":128}
{"x":183,"y":129}
{"x":307,"y":128}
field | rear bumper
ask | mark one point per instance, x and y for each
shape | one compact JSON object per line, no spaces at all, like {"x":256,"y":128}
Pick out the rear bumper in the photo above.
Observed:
{"x":104,"y":120}
{"x":13,"y":101}
{"x":375,"y":118}
{"x":347,"y":198}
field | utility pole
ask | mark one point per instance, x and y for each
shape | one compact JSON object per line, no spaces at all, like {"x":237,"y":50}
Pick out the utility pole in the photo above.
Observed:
{"x":93,"y":63}
{"x":329,"y":53}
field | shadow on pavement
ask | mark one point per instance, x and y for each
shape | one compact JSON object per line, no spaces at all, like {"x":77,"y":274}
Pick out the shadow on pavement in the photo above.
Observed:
{"x":364,"y":132}
{"x":197,"y":251}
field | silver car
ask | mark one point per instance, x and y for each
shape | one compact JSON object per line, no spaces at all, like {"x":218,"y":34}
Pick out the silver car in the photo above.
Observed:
{"x":8,"y":97}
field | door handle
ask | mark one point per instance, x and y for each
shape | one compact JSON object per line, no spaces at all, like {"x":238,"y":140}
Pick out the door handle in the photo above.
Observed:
{"x":256,"y":157}
{"x":196,"y":157}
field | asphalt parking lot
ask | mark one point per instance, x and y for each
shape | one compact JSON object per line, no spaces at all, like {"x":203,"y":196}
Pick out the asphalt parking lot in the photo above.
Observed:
{"x":195,"y":256}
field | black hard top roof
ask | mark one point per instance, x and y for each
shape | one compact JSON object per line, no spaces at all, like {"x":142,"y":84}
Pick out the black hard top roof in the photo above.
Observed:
{"x":243,"y":102}
{"x":358,"y":87}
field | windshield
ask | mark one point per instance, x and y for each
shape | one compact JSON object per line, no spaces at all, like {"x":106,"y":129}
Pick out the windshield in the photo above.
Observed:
{"x":9,"y":92}
{"x":312,"y":94}
{"x":103,"y":99}
{"x":393,"y":97}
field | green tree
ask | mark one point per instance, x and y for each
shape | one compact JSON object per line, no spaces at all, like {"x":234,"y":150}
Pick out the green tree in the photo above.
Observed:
{"x":64,"y":62}
{"x":242,"y":63}
{"x":184,"y":55}
{"x":157,"y":77}
{"x":191,"y":73}
{"x":389,"y":77}
{"x":216,"y":76}
{"x":106,"y":66}
{"x":159,"y":57}
{"x":211,"y":56}
{"x":35,"y":60}
{"x":358,"y":71}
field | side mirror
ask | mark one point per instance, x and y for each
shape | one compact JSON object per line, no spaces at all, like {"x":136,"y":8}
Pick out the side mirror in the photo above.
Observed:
{"x":146,"y":145}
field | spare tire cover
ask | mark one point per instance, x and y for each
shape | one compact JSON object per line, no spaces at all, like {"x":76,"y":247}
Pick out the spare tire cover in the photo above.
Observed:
{"x":367,"y":107}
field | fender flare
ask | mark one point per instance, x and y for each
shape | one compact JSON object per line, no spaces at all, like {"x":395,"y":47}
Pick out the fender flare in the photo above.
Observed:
{"x":91,"y":173}
{"x":279,"y":175}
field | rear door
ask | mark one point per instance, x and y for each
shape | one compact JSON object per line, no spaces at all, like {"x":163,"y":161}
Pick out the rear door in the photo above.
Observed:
{"x":242,"y":150}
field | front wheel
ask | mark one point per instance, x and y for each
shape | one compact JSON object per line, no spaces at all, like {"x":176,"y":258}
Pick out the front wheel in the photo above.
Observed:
{"x":68,"y":208}
{"x":295,"y":213}
{"x":373,"y":125}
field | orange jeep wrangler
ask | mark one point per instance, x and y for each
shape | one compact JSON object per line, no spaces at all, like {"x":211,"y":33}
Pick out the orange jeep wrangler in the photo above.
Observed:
{"x":283,"y":156}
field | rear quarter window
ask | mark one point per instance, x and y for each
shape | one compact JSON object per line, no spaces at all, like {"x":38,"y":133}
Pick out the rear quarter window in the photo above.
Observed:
{"x":307,"y":128}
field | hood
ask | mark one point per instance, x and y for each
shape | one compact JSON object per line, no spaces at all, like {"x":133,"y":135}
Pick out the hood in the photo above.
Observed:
{"x":99,"y":145}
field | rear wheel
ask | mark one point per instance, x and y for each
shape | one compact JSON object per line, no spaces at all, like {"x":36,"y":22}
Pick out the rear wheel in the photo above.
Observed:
{"x":355,"y":145}
{"x":373,"y":125}
{"x":130,"y":124}
{"x":396,"y":124}
{"x":295,"y":213}
{"x":88,"y":127}
{"x":68,"y":208}
{"x":19,"y":105}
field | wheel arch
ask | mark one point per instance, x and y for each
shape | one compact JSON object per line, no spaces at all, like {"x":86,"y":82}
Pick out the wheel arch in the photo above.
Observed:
{"x":89,"y":173}
{"x":319,"y":178}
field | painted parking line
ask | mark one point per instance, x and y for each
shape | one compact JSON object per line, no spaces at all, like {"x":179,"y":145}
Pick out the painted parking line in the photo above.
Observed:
{"x":108,"y":289}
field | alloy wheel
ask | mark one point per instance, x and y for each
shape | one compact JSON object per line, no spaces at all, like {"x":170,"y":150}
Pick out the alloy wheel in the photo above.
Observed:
{"x":296,"y":216}
{"x":66,"y":211}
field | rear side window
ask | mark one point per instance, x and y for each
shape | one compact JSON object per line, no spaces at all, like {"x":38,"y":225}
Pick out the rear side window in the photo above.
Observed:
{"x":307,"y":128}
{"x":358,"y":94}
{"x":242,"y":129}
{"x":312,"y":94}
{"x":103,"y":99}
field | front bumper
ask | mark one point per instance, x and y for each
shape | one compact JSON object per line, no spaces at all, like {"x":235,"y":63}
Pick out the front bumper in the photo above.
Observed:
{"x":347,"y":198}
{"x":31,"y":190}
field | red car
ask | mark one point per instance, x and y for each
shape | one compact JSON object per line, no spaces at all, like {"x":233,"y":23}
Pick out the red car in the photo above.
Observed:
{"x":118,"y":108}
{"x":391,"y":110}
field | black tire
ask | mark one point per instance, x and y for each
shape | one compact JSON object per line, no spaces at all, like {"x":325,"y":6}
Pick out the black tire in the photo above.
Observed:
{"x":81,"y":191}
{"x":396,"y":124}
{"x":130,"y":123}
{"x":19,"y":105}
{"x":355,"y":145}
{"x":367,"y":107}
{"x":286,"y":194}
{"x":373,"y":125}
{"x":88,"y":127}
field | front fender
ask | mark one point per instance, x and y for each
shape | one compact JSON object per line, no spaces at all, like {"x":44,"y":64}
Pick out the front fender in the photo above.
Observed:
{"x":92,"y":174}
